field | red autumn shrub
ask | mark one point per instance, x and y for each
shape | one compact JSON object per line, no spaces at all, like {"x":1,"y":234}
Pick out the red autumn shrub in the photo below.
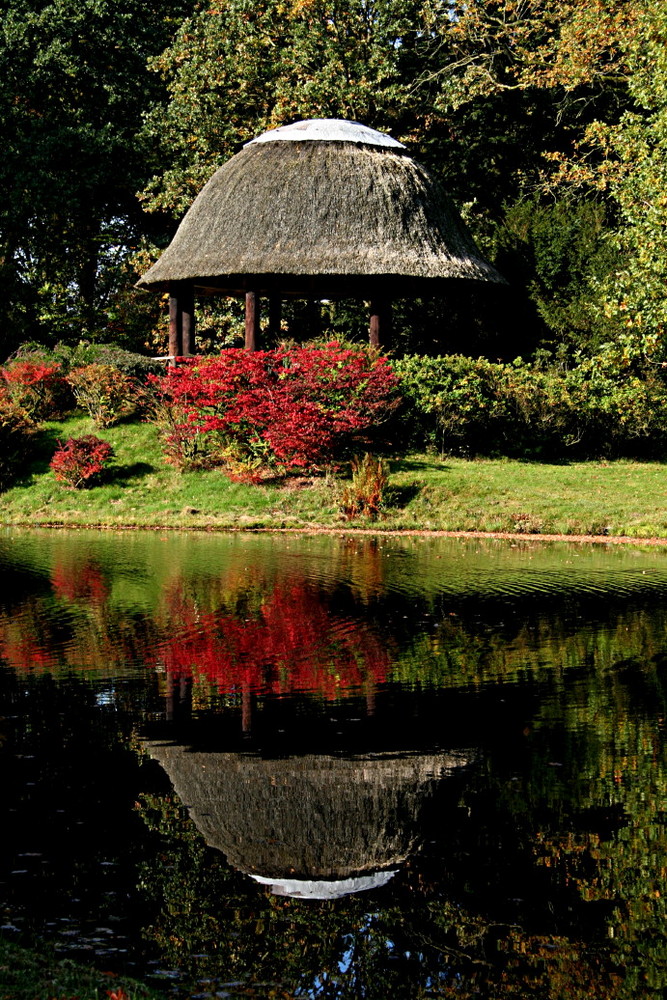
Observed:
{"x":37,"y":387}
{"x":79,"y":461}
{"x":289,"y":408}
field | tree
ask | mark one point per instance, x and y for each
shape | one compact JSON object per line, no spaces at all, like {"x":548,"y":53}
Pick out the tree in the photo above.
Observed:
{"x":491,"y":94}
{"x":629,"y":164}
{"x":73,"y":90}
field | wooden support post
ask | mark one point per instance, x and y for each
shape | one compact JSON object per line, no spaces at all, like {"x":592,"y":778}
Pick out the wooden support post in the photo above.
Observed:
{"x":275,"y":316}
{"x":175,"y":344}
{"x":181,"y":318}
{"x":188,"y":318}
{"x":380,"y":325}
{"x":252,"y":320}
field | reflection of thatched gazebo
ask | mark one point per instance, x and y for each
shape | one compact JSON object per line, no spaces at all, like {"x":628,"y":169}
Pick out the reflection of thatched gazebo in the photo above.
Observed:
{"x":312,"y":826}
{"x":317,"y":209}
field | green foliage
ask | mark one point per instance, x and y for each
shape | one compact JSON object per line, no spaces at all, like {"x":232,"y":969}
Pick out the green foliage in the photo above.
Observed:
{"x":16,"y":432}
{"x":73,"y":88}
{"x":466,"y":406}
{"x":237,"y":69}
{"x":104,"y":392}
{"x":635,"y":174}
{"x":560,"y":252}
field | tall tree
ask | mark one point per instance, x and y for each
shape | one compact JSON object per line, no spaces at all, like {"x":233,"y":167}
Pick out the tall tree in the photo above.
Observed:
{"x":73,"y":89}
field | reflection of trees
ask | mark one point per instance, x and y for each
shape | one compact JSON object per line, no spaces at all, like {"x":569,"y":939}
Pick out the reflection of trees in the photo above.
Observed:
{"x":548,"y":883}
{"x":80,"y":579}
{"x":415,"y":940}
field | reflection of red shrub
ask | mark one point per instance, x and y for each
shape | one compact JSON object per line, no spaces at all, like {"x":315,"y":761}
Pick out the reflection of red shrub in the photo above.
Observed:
{"x":292,"y":644}
{"x":80,"y":581}
{"x":80,"y":460}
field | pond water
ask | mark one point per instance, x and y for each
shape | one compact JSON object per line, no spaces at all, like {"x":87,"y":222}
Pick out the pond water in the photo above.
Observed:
{"x":343,"y":767}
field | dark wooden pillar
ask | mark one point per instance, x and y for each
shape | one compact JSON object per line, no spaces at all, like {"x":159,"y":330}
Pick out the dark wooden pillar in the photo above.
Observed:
{"x":175,"y":342}
{"x":275,"y":315}
{"x":181,"y":318}
{"x":188,"y":318}
{"x":252,"y":320}
{"x":380,"y":325}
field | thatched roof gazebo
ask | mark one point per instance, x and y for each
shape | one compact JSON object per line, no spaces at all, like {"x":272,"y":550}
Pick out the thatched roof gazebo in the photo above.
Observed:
{"x":315,"y":826}
{"x":318,"y":209}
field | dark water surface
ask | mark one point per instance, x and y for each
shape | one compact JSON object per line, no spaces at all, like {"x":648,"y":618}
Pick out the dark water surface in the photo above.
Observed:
{"x":343,"y":767}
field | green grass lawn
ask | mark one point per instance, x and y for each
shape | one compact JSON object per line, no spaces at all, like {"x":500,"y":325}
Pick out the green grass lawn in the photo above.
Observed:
{"x":425,"y":493}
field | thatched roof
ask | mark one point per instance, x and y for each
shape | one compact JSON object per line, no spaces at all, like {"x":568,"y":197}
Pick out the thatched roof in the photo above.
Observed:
{"x":321,"y":206}
{"x":314,"y":826}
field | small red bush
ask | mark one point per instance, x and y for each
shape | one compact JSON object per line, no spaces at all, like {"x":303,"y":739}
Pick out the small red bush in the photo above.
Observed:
{"x":79,"y":461}
{"x":38,"y":387}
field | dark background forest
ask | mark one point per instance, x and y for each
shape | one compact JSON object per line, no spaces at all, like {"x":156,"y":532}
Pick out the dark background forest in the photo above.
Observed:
{"x":547,"y":122}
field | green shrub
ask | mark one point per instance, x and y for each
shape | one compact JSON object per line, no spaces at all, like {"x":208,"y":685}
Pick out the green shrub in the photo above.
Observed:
{"x":472,"y":406}
{"x":16,"y":431}
{"x":106,"y":393}
{"x":70,"y":356}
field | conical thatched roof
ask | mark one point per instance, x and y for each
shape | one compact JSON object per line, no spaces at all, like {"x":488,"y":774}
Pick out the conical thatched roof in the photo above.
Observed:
{"x":319,"y":206}
{"x":314,"y":826}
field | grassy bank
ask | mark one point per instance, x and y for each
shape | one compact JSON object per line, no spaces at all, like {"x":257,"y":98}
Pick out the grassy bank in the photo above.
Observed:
{"x":29,"y":975}
{"x":425,"y":493}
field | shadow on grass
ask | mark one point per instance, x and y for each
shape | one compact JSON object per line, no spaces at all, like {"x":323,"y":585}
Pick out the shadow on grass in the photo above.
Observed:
{"x":419,"y":465}
{"x":122,"y":474}
{"x":400,"y":496}
{"x":44,"y":444}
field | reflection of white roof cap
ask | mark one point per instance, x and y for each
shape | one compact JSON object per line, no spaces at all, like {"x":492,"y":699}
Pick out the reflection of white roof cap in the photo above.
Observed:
{"x":301,"y":888}
{"x":328,"y":130}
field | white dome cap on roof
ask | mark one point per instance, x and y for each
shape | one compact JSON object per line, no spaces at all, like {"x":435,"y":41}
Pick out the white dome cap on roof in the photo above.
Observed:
{"x":328,"y":130}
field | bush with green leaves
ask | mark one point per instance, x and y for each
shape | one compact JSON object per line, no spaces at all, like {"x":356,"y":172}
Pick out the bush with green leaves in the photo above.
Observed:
{"x":16,"y":432}
{"x":598,"y":407}
{"x":104,"y":392}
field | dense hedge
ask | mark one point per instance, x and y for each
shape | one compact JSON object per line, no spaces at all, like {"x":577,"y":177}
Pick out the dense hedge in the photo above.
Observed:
{"x":467,"y":406}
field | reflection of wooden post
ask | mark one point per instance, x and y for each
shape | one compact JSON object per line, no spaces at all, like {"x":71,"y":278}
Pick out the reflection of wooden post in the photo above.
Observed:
{"x":370,"y":695}
{"x":181,"y":318}
{"x":252,"y":318}
{"x":169,"y":696}
{"x":275,"y":316}
{"x":380,"y":325}
{"x":246,"y":709}
{"x":185,"y":698}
